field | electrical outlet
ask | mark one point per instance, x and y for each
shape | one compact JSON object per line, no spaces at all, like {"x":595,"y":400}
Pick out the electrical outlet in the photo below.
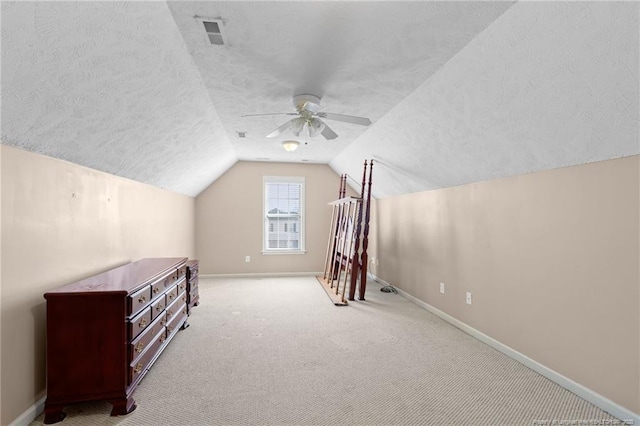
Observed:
{"x":442,"y":288}
{"x":247,"y":259}
{"x":468,"y":298}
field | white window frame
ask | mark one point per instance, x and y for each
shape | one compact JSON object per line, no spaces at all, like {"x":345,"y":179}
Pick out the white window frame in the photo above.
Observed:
{"x":265,"y":218}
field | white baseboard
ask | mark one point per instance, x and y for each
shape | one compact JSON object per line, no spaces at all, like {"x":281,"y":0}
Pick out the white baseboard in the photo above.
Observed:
{"x":263,"y":275}
{"x":30,"y":414}
{"x":583,"y":392}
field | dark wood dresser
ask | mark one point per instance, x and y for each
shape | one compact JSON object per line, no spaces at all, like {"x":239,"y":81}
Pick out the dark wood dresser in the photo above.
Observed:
{"x":193,"y":299}
{"x":105,"y":332}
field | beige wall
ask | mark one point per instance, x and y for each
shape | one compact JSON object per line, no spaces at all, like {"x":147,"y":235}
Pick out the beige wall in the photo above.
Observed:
{"x":62,"y":222}
{"x":551,"y":259}
{"x":229,"y":220}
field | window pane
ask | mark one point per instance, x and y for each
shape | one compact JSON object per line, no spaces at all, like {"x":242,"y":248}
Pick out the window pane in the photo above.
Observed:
{"x":283,"y":232}
{"x":283,"y":205}
{"x":283,"y":198}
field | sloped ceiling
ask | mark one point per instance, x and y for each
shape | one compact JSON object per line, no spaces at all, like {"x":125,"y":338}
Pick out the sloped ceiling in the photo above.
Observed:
{"x":458,"y":92}
{"x":548,"y":85}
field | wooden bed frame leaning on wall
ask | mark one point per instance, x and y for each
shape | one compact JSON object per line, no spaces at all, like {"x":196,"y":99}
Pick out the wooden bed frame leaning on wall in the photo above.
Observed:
{"x":346,"y":261}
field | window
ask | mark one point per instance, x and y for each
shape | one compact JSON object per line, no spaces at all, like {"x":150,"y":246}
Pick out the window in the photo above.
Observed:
{"x":283,"y":214}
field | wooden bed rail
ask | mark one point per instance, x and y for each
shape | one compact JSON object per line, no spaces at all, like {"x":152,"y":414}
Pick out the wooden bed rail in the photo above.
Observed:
{"x":346,"y":261}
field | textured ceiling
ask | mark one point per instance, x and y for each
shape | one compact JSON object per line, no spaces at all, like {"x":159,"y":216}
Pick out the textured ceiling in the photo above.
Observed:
{"x":548,"y":85}
{"x":458,"y":92}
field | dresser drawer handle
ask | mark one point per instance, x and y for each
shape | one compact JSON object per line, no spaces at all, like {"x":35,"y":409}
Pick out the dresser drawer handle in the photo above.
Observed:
{"x":169,"y":329}
{"x":171,"y":296}
{"x":169,"y":313}
{"x":138,"y":368}
{"x":159,"y":307}
{"x":139,"y":347}
{"x":163,"y":338}
{"x":156,"y":290}
{"x":163,"y":322}
{"x":184,"y":311}
{"x":142,"y":299}
{"x":181,"y":287}
{"x":143,"y":323}
{"x":184,"y":298}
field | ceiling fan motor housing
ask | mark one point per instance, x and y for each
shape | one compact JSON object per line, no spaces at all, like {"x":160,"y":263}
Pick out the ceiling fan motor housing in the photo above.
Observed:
{"x":309,"y":103}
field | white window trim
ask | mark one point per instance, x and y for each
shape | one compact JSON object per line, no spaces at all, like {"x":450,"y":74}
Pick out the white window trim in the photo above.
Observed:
{"x":288,"y":179}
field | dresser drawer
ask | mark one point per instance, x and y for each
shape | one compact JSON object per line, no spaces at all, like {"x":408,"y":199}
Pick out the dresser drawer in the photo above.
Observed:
{"x":174,"y":308}
{"x":162,"y":284}
{"x":139,"y":323}
{"x":192,"y":269}
{"x":193,"y":294}
{"x":158,"y":287}
{"x":172,"y":295}
{"x":193,"y":301}
{"x":138,"y":300}
{"x":182,"y":285}
{"x":183,"y":297}
{"x":181,"y":272}
{"x":177,"y":318}
{"x":193,"y":298}
{"x":193,"y":283}
{"x":138,"y":346}
{"x":158,"y":306}
{"x":138,"y":367}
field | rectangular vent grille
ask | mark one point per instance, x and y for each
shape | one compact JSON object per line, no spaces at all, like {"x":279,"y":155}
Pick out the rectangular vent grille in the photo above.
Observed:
{"x":214,"y":32}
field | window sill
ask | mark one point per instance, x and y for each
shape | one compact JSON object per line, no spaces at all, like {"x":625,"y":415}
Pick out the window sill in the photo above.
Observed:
{"x":270,"y":252}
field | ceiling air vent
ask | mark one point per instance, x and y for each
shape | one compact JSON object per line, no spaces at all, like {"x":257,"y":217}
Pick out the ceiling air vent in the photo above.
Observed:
{"x":213,"y":30}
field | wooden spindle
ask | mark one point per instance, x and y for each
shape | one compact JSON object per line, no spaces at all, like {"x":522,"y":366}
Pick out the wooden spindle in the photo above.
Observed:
{"x":355,"y":260}
{"x":365,"y":238}
{"x":327,"y":260}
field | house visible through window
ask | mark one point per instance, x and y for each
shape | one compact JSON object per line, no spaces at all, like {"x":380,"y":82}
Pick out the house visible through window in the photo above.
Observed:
{"x":283,"y":214}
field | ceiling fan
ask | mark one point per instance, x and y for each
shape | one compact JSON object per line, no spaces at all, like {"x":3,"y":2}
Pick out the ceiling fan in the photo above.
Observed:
{"x":308,"y":120}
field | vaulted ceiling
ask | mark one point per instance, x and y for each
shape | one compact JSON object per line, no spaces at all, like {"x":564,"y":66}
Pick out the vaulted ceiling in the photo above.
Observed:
{"x":457,"y":92}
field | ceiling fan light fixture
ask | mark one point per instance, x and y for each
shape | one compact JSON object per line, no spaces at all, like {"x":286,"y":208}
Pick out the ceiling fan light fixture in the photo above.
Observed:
{"x":298,"y":126}
{"x":315,"y":127}
{"x":290,"y":146}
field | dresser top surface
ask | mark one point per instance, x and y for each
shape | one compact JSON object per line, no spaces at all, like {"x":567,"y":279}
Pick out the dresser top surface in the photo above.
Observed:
{"x":123,"y":279}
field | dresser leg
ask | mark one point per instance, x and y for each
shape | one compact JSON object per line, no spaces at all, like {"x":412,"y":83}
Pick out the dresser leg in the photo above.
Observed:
{"x":53,"y":413}
{"x":122,"y":406}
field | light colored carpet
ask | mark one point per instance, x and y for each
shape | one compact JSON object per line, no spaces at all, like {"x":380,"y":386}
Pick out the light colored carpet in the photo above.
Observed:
{"x":276,"y":351}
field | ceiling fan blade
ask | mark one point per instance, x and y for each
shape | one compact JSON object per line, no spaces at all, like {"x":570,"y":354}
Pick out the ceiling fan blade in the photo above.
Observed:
{"x":345,"y":118}
{"x":328,"y":133}
{"x":279,"y":130}
{"x":273,"y":113}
